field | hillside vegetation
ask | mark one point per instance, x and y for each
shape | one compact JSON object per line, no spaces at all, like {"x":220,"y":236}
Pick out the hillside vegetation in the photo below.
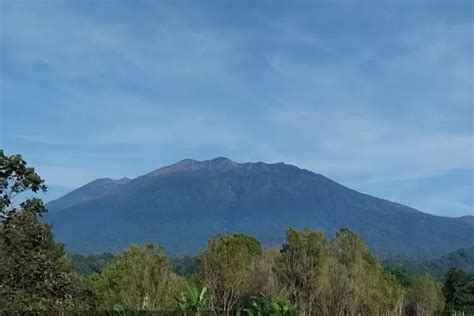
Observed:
{"x":462,"y":259}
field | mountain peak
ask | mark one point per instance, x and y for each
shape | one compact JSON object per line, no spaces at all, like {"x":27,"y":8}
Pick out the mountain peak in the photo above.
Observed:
{"x":184,"y":162}
{"x":221,"y":162}
{"x":218,"y":163}
{"x":221,"y":159}
{"x":122,"y":180}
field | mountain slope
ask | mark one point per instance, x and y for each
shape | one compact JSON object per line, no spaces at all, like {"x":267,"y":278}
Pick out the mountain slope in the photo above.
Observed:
{"x":182,"y":205}
{"x":468,"y":219}
{"x":462,"y":259}
{"x":92,"y":191}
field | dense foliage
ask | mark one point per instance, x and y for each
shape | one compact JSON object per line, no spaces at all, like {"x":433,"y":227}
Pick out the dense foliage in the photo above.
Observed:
{"x":461,"y":258}
{"x":193,"y":300}
{"x":88,"y":265}
{"x":226,"y":267}
{"x":185,"y":266}
{"x":35,"y":274}
{"x":308,"y":275}
{"x":16,"y":178}
{"x":459,"y":290}
{"x":262,"y":305}
{"x":138,"y":279}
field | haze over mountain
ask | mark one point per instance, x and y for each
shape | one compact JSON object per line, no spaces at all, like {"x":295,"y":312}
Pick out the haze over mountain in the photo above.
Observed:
{"x":182,"y":205}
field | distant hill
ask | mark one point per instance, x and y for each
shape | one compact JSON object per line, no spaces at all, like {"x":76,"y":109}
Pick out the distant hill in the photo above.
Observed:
{"x":182,"y":205}
{"x":462,"y":259}
{"x":468,"y":219}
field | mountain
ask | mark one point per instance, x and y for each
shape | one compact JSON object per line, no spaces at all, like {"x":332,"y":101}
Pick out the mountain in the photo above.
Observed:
{"x":92,"y":191}
{"x":468,"y":219}
{"x":182,"y":205}
{"x":462,"y":259}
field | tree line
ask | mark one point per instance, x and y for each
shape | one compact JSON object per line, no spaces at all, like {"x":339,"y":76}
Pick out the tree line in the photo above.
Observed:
{"x":462,"y":258}
{"x":309,"y":274}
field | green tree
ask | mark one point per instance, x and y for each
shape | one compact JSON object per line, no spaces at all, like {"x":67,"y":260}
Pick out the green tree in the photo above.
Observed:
{"x":300,"y":267}
{"x":185,"y":266}
{"x":35,"y":274}
{"x":459,"y":290}
{"x":424,"y":296}
{"x":88,"y":265}
{"x":354,"y":281}
{"x":139,"y":279}
{"x":400,"y":274}
{"x":225,"y":269}
{"x":389,"y":295}
{"x":15,"y":178}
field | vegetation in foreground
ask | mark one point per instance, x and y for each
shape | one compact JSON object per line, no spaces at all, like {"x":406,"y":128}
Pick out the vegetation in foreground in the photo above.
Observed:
{"x":308,"y":275}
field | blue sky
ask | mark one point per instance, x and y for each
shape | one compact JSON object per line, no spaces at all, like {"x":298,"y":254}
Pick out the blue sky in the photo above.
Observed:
{"x":375,"y":95}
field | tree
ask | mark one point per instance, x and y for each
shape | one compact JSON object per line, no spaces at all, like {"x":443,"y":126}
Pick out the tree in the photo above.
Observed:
{"x":139,"y":279}
{"x":88,"y":265}
{"x":354,"y":281}
{"x":226,"y":266}
{"x":459,"y":290}
{"x":300,"y":267}
{"x":15,"y":178}
{"x":388,"y":295}
{"x":185,"y":266}
{"x":35,"y":274}
{"x":425,"y":296}
{"x":400,"y":274}
{"x":264,"y":275}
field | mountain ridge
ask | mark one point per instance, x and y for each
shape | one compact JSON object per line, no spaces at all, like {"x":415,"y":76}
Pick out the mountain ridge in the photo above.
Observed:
{"x":196,"y":199}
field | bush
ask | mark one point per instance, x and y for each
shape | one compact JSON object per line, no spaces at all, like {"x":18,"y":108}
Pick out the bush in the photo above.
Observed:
{"x":263,"y":305}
